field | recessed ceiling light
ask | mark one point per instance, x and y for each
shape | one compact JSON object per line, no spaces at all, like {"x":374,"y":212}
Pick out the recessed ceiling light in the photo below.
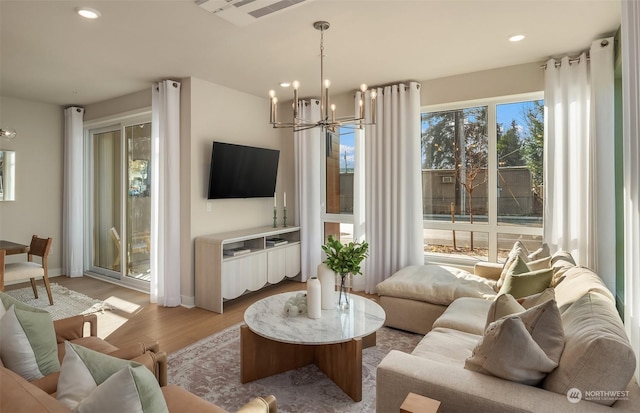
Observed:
{"x":516,"y":38}
{"x":285,"y":84}
{"x":88,"y":13}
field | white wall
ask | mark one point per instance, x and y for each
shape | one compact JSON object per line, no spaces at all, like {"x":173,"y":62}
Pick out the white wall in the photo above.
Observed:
{"x":226,"y":115}
{"x":504,"y":81}
{"x":39,"y":153}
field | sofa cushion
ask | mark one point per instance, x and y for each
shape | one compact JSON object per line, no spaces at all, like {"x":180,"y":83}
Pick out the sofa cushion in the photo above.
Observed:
{"x":446,"y":345}
{"x":561,"y":261}
{"x":521,"y":282}
{"x":521,"y":348}
{"x":436,"y":284}
{"x":577,"y":281}
{"x":28,"y":342}
{"x":95,"y":382}
{"x":504,"y":305}
{"x":597,"y":355}
{"x":18,"y":395}
{"x":465,"y":314}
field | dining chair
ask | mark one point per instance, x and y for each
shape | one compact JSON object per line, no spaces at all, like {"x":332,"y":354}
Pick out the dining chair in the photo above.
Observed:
{"x":30,"y":269}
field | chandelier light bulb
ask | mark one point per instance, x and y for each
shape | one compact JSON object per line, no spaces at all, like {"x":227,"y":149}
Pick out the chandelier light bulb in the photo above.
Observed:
{"x":363,"y":87}
{"x":296,"y":84}
{"x":374,"y":94}
{"x":327,"y":83}
{"x":272,"y":93}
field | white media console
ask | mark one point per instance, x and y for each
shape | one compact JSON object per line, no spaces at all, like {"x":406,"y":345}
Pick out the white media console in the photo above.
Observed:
{"x":230,"y":264}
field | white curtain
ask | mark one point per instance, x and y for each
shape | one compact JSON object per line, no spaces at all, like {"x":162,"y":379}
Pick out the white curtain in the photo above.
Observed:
{"x":630,"y":33}
{"x":73,"y":198}
{"x":393,"y":190}
{"x":308,"y":155}
{"x":165,"y":194}
{"x":359,"y":213}
{"x":579,"y":180}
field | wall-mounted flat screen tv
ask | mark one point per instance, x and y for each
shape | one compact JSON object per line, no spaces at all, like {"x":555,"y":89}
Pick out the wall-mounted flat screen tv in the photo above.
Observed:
{"x":239,"y":171}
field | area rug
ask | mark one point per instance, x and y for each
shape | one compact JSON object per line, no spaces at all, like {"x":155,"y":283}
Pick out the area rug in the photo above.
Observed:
{"x":210,"y":368}
{"x":66,"y":302}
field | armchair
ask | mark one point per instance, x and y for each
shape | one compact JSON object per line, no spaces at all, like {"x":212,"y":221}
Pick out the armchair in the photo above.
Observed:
{"x":72,"y":329}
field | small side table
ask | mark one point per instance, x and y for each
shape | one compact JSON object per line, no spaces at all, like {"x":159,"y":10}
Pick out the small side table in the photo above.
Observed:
{"x":414,"y":403}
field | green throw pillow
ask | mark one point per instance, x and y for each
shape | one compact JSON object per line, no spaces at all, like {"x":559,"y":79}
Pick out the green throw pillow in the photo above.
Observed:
{"x":92,"y":382}
{"x":520,"y":282}
{"x":28,"y":343}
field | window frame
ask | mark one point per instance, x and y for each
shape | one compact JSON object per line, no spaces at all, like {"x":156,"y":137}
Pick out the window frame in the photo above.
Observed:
{"x":491,"y":227}
{"x":338,"y":218}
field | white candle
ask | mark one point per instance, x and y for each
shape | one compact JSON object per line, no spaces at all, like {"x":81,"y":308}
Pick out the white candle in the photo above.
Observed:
{"x":274,"y":199}
{"x":285,"y":199}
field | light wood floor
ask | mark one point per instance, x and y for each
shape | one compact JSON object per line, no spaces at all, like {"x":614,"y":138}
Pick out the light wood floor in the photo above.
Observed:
{"x":174,"y":328}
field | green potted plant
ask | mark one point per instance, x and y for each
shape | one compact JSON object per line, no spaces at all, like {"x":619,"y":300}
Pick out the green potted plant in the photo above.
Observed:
{"x":344,"y":260}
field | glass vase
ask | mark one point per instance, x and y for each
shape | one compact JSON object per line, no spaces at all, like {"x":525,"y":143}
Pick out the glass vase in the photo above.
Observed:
{"x":343,"y":288}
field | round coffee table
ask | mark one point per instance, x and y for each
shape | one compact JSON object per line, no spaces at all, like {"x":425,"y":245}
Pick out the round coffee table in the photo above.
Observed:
{"x":272,"y":342}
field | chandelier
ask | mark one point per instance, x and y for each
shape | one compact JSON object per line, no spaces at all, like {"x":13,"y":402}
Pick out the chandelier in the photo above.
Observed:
{"x":328,"y":118}
{"x":7,"y":134}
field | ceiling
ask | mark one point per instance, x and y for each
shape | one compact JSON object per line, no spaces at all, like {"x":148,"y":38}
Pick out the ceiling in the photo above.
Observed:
{"x":50,"y":54}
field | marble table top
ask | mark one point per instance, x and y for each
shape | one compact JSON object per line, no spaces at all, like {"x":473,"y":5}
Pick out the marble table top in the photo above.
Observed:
{"x":267,"y":318}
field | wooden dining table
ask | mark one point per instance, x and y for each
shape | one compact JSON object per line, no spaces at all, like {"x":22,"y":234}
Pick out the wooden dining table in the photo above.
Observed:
{"x":12,"y":248}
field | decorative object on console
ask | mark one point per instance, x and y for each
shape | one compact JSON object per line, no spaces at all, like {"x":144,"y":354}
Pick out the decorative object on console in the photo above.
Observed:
{"x":344,"y":260}
{"x":314,"y":298}
{"x":8,"y":134}
{"x":328,"y":120}
{"x":275,"y":211}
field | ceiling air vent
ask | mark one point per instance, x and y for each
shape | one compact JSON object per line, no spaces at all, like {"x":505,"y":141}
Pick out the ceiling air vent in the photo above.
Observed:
{"x":244,"y":12}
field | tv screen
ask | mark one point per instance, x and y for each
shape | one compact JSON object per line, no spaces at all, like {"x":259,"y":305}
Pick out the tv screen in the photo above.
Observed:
{"x":239,"y":171}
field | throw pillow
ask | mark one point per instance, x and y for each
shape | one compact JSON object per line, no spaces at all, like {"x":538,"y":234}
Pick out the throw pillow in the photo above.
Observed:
{"x":541,"y":252}
{"x":518,"y":250}
{"x":521,"y":282}
{"x":521,"y":348}
{"x":28,"y":343}
{"x":539,"y":298}
{"x":502,"y":306}
{"x":95,"y":382}
{"x":539,"y":264}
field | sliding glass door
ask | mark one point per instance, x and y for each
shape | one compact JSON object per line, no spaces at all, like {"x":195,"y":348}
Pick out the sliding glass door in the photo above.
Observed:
{"x":120,"y":202}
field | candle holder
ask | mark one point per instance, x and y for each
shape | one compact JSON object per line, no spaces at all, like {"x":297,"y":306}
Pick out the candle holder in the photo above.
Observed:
{"x":284,"y":217}
{"x":275,"y":217}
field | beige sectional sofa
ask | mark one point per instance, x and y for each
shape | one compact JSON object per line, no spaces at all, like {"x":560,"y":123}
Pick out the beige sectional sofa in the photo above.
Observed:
{"x":596,"y":359}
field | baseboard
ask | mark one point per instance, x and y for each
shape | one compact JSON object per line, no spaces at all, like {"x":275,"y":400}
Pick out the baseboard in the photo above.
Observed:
{"x":187,"y":301}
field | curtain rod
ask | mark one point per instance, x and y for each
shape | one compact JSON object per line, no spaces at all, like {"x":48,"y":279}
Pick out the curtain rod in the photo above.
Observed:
{"x":571,"y":61}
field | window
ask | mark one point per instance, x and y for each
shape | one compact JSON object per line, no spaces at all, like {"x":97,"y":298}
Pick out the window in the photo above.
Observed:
{"x":340,"y":165}
{"x":482,"y":174}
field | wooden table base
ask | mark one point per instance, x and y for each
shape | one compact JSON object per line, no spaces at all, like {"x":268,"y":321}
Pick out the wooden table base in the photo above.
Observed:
{"x":342,"y":362}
